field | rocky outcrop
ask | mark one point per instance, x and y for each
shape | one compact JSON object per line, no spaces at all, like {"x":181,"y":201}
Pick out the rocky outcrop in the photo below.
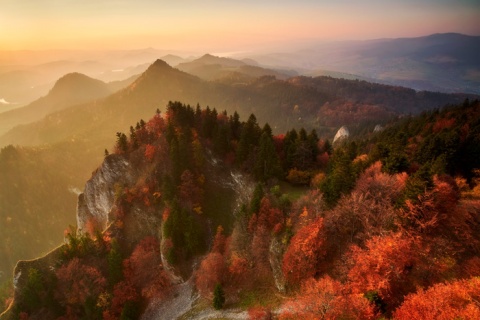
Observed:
{"x":277,"y":249}
{"x":98,"y":197}
{"x":342,"y":134}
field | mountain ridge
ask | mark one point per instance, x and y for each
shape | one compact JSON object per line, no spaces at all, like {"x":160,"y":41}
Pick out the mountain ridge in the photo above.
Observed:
{"x":265,"y":96}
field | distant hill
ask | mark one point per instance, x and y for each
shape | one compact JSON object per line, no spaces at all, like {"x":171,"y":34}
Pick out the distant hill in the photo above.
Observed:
{"x":439,"y":62}
{"x":27,"y":75}
{"x":173,"y":60}
{"x":210,"y":67}
{"x":71,"y":89}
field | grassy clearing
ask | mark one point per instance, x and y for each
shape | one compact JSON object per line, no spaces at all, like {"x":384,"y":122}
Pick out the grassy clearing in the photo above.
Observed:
{"x":293,"y":192}
{"x":259,"y":297}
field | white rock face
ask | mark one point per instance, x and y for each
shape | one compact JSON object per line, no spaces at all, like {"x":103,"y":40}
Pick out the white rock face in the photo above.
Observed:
{"x":98,"y":197}
{"x":378,"y":128}
{"x":342,"y":133}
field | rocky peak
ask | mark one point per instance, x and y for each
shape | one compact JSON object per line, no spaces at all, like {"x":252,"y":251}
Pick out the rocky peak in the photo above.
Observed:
{"x":341,"y":134}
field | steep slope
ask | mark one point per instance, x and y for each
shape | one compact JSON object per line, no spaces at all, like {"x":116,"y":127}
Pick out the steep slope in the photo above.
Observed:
{"x":71,"y":89}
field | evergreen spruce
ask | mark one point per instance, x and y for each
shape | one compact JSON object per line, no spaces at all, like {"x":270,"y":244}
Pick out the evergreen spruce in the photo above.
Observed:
{"x":218,"y":297}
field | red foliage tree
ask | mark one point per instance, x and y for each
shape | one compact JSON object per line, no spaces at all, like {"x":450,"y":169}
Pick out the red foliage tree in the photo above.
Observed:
{"x":122,"y":293}
{"x":144,"y":269}
{"x":304,"y":253}
{"x":455,"y":300}
{"x":149,"y":152}
{"x":443,"y":124}
{"x":77,"y":282}
{"x":238,"y":271}
{"x":324,"y":299}
{"x":219,"y":242}
{"x":269,"y":216}
{"x":211,"y":271}
{"x":156,"y":125}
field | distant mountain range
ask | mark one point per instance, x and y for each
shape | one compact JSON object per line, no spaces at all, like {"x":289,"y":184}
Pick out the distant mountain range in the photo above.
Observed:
{"x":439,"y":62}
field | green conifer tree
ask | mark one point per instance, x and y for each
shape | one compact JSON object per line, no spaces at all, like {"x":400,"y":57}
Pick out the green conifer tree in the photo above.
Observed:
{"x":218,"y":297}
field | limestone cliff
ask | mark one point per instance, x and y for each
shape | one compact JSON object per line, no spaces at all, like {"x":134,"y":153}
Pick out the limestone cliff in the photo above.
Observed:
{"x":98,"y":197}
{"x":341,"y":134}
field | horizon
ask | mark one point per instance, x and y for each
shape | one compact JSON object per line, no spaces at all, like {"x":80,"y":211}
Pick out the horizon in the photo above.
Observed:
{"x":215,"y":26}
{"x":199,"y":53}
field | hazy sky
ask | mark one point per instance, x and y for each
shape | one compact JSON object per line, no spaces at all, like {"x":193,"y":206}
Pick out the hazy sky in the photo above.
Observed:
{"x":222,"y":24}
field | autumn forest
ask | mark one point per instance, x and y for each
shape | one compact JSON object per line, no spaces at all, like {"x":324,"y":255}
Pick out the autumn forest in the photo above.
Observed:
{"x":383,"y":225}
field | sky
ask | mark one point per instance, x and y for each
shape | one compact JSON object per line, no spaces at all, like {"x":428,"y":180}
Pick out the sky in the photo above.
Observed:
{"x":223,"y":24}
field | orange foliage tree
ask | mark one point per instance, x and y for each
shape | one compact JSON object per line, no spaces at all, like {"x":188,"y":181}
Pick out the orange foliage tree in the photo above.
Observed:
{"x":304,"y":253}
{"x":438,"y":213}
{"x":325,"y":299}
{"x":211,"y":272}
{"x":259,"y":313}
{"x":368,"y":210}
{"x":455,"y":300}
{"x":384,"y":267}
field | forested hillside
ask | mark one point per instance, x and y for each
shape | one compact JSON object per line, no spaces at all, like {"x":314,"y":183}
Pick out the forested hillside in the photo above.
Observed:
{"x":388,"y":226}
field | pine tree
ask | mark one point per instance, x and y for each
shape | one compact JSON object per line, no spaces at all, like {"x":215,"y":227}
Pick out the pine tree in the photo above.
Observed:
{"x":114,"y":259}
{"x":248,"y":139}
{"x":218,"y":297}
{"x":267,"y":164}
